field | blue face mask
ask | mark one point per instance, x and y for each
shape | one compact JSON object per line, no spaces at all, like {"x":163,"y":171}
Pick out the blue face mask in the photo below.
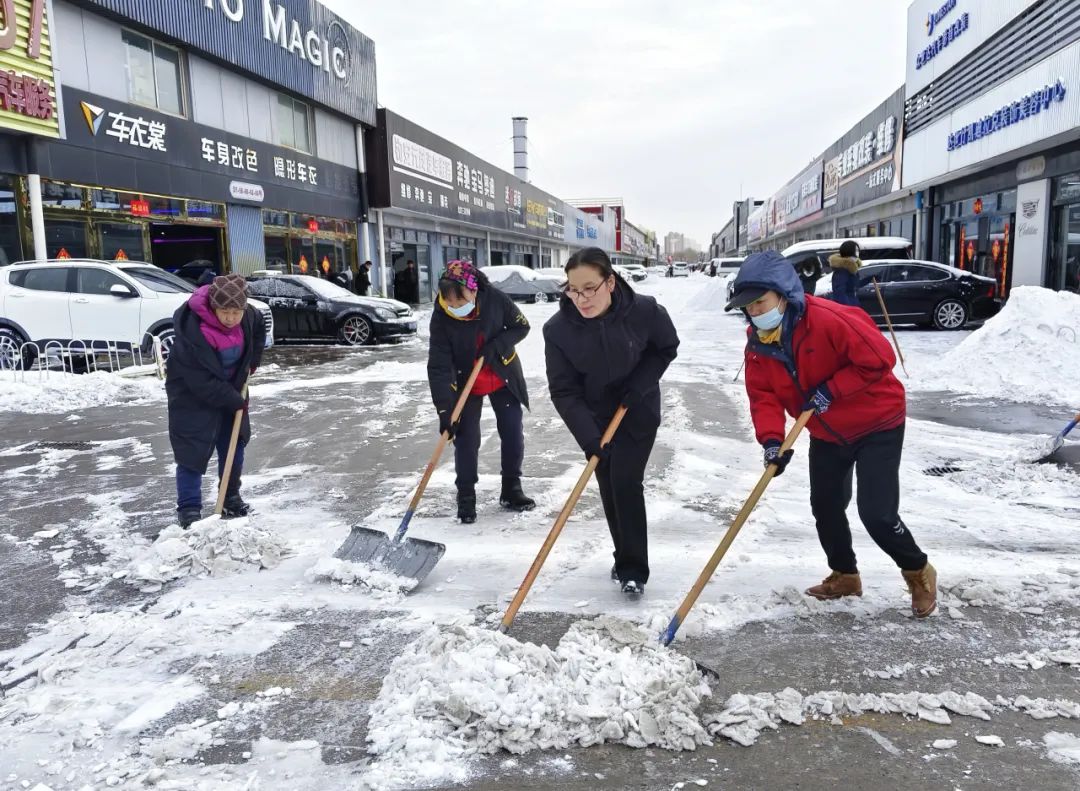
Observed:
{"x":464,"y":311}
{"x":768,"y":320}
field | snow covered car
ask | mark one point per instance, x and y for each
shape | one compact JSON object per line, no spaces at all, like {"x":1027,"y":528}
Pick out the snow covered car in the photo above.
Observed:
{"x":309,"y":308}
{"x":679,"y":269}
{"x":522,"y":284}
{"x":637,"y":272}
{"x":924,"y":293}
{"x":92,"y":304}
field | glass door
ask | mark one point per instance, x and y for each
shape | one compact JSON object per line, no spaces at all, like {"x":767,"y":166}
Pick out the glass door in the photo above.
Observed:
{"x":1065,"y":261}
{"x":122,"y":241}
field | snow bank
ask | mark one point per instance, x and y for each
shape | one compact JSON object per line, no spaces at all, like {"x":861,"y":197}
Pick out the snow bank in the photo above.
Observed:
{"x":712,"y":294}
{"x":56,"y":393}
{"x":1029,"y":352}
{"x":467,"y":691}
{"x":212,"y":547}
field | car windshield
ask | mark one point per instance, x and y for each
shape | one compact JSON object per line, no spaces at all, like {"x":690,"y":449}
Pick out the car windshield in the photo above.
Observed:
{"x":324,"y":288}
{"x":159,"y":280}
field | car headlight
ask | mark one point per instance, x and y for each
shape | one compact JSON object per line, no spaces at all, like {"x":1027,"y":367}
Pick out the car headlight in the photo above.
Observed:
{"x":385,"y":314}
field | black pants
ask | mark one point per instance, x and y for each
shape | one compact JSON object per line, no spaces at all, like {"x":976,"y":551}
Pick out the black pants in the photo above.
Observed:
{"x":467,"y":440}
{"x":622,"y":490}
{"x":876,"y":460}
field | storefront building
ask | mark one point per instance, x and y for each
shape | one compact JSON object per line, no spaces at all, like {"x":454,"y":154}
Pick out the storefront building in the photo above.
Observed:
{"x":993,"y":138}
{"x":216,"y":135}
{"x":435,"y":202}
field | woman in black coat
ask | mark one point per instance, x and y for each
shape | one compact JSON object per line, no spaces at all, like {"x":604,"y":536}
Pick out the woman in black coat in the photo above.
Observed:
{"x":608,"y":346}
{"x":219,"y":344}
{"x":473,"y":319}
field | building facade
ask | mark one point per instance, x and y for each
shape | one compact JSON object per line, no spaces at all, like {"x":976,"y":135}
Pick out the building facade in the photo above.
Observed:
{"x":218,"y":134}
{"x":434,"y":202}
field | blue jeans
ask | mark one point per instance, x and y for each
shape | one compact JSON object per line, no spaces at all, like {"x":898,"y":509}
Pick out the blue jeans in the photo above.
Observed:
{"x":189,"y":482}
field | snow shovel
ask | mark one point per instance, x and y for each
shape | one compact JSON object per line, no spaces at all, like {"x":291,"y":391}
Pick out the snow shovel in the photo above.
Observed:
{"x":413,"y":558}
{"x":1040,"y":455}
{"x":230,"y":457}
{"x":710,"y":568}
{"x":896,"y":343}
{"x":560,"y":523}
{"x":1058,"y":441}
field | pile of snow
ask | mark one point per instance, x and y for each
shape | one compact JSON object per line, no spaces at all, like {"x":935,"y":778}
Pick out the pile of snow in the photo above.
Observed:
{"x":712,"y":294}
{"x":1029,"y":352}
{"x":52,"y":393}
{"x":212,"y":547}
{"x":1062,"y":748}
{"x":382,"y":583}
{"x":467,"y":691}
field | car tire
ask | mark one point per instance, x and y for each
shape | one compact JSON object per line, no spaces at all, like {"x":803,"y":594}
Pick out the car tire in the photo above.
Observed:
{"x":539,"y":298}
{"x":11,"y":357}
{"x":356,"y":331}
{"x":950,"y":314}
{"x":167,"y":337}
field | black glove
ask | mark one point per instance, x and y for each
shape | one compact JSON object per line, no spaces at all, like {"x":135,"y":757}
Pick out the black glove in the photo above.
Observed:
{"x":774,"y":456}
{"x":445,"y":426}
{"x":594,"y":449}
{"x":820,"y":400}
{"x":630,"y":399}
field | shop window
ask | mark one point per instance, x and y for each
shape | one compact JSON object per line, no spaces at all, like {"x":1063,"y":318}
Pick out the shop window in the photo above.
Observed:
{"x":10,"y":244}
{"x":277,"y":253}
{"x":277,"y":219}
{"x":164,"y":207}
{"x":61,"y":196}
{"x":122,"y":241}
{"x":66,"y":238}
{"x":294,"y":124}
{"x":201,"y":210}
{"x":154,"y":74}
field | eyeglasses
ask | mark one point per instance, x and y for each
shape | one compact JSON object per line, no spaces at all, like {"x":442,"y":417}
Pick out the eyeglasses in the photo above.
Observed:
{"x":586,"y":293}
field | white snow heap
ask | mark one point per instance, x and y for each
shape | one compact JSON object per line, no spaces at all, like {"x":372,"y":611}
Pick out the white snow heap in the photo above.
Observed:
{"x":383,"y":584}
{"x":466,"y":690}
{"x":51,"y":393}
{"x":1063,"y":748}
{"x":1029,"y":352}
{"x":211,"y":547}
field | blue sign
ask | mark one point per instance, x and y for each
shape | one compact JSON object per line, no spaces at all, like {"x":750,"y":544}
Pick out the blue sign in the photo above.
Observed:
{"x":951,"y":34}
{"x":592,"y":232}
{"x":581,"y":228}
{"x":1009,"y":115}
{"x":935,"y":18}
{"x":296,"y":44}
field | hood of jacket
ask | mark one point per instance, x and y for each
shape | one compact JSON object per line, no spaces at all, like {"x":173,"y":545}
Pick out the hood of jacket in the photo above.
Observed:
{"x":622,"y":300}
{"x":772,"y":271}
{"x":837,"y":261}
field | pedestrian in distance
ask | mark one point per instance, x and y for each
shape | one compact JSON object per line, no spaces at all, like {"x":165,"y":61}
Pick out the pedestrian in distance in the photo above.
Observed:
{"x":219,"y":344}
{"x":845,"y":267}
{"x":712,"y":269}
{"x":607,"y":347}
{"x":363,"y":279}
{"x":473,"y":320}
{"x":407,"y":284}
{"x":805,"y":353}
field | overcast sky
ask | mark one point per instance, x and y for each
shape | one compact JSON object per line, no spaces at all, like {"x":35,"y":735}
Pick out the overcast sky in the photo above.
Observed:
{"x":678,"y":108}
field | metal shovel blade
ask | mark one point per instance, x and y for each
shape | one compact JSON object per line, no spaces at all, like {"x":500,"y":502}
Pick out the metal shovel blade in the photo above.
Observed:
{"x":413,"y":558}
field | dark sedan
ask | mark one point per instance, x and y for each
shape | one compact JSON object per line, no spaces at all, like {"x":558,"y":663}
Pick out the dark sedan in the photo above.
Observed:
{"x":309,"y":308}
{"x":924,"y":293}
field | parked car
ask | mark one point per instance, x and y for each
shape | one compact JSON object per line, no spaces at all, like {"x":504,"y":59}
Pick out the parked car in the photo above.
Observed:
{"x":924,"y":293}
{"x":193,"y":270}
{"x":726,"y":266}
{"x":811,"y":258}
{"x":680,"y":269}
{"x":636,"y":272}
{"x":523,"y":284}
{"x":308,"y":308}
{"x":92,"y":304}
{"x":556,"y":273}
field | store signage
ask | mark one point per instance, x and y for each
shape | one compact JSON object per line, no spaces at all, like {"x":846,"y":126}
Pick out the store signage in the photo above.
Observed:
{"x":864,"y":164}
{"x":951,"y":34}
{"x":128,"y":129}
{"x":934,"y":18}
{"x":140,"y":208}
{"x":1031,"y":168}
{"x":313,"y":226}
{"x":297,"y":44}
{"x":424,"y":173}
{"x":241,"y":190}
{"x":27,"y":79}
{"x":580,"y":228}
{"x":1018,"y":111}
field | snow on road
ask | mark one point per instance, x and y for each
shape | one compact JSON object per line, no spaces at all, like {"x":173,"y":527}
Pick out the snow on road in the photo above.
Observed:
{"x":95,"y":692}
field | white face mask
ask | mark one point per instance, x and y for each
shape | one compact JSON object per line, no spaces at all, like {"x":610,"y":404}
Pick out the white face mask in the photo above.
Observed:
{"x":769,"y":320}
{"x":463,"y":311}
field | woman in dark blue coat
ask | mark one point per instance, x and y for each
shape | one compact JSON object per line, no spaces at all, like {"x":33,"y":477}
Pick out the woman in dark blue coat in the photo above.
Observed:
{"x":608,"y":346}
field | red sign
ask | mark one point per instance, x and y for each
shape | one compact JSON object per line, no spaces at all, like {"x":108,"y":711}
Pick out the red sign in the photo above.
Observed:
{"x":140,"y":208}
{"x":121,"y":256}
{"x":313,"y":226}
{"x":22,"y":93}
{"x":978,"y":205}
{"x":63,"y":255}
{"x":303,"y":264}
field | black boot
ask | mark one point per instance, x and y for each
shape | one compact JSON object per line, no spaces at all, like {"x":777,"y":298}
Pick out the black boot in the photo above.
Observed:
{"x":466,"y":507}
{"x":186,"y":517}
{"x":614,"y":574}
{"x":513,"y":498}
{"x":235,"y":507}
{"x":633,"y":589}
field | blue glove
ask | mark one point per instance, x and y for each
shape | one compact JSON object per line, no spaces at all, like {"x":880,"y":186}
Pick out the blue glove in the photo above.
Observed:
{"x":820,"y":400}
{"x":774,"y":456}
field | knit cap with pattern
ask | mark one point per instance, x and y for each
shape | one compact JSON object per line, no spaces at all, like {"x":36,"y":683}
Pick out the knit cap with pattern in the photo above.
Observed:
{"x":228,"y":292}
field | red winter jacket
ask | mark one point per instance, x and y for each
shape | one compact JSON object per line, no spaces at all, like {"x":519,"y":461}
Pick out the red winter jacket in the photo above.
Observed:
{"x":837,"y":346}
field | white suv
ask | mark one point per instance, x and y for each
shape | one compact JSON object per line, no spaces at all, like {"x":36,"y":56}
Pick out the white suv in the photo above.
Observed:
{"x":95,"y":303}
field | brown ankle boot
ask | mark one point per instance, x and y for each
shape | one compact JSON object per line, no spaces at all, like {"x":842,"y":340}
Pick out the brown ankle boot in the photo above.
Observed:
{"x":923,"y":587}
{"x":836,"y":586}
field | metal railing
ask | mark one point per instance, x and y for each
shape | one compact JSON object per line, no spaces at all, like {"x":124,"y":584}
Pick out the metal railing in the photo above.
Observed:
{"x":31,"y":362}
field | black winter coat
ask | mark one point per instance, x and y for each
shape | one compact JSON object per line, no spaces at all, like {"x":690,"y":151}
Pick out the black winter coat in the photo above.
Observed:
{"x":363,"y":281}
{"x":453,"y":350}
{"x":200,"y":396}
{"x":593,"y":363}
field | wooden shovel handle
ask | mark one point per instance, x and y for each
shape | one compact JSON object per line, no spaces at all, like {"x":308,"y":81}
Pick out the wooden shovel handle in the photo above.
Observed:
{"x":888,"y":321}
{"x":560,"y":523}
{"x":733,"y":531}
{"x":230,"y":457}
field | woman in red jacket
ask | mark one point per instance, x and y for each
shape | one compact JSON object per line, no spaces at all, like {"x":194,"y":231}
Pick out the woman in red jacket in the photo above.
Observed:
{"x":807,"y":353}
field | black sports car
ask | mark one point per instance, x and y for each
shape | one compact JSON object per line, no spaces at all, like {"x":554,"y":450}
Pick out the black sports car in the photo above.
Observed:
{"x":307,"y":308}
{"x":924,"y":293}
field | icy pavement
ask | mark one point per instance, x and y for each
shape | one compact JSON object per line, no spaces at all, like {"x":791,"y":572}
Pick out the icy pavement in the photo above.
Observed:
{"x":274,"y":668}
